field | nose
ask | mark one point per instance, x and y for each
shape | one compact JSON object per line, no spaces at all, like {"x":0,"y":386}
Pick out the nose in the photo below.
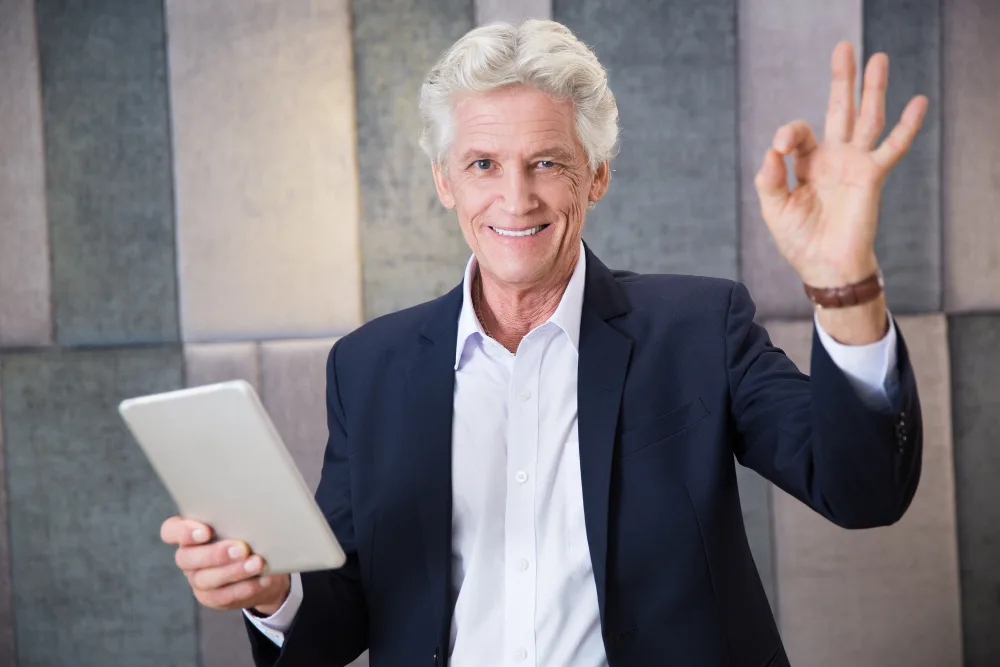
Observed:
{"x":519,"y":197}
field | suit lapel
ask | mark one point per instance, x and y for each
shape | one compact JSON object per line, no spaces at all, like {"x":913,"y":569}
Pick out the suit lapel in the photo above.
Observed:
{"x":604,"y":359}
{"x":429,"y":408}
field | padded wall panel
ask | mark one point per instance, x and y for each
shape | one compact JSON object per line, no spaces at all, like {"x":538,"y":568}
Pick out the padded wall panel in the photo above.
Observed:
{"x":25,"y":305}
{"x":885,"y":596}
{"x":971,"y":154}
{"x":7,"y":649}
{"x":512,"y":11}
{"x":92,"y":583}
{"x":672,"y":203}
{"x":909,"y":238}
{"x":293,"y":388}
{"x":975,"y":357}
{"x":222,"y":634}
{"x":412,"y":248}
{"x":264,"y":138}
{"x":777,"y":86}
{"x":108,"y":171}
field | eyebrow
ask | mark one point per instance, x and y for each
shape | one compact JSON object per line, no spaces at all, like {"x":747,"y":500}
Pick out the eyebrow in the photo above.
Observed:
{"x":555,"y":152}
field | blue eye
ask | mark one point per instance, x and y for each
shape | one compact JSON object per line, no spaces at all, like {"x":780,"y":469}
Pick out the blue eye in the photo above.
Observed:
{"x":483,"y":165}
{"x":546,"y":164}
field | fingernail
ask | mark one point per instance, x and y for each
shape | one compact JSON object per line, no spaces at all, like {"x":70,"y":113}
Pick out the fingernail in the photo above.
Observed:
{"x":252,"y":565}
{"x":200,"y":535}
{"x":264,"y":581}
{"x":235,"y":551}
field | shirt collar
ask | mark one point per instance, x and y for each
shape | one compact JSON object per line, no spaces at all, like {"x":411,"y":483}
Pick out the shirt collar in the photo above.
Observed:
{"x":566,"y":317}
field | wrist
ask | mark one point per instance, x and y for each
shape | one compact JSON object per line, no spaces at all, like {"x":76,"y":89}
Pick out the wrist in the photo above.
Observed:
{"x":863,"y":324}
{"x":271,"y":606}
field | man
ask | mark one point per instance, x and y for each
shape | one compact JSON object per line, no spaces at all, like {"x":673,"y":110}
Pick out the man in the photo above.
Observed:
{"x":537,"y":468}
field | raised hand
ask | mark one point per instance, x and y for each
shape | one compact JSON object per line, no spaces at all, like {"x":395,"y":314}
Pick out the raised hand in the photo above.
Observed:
{"x":825,"y":227}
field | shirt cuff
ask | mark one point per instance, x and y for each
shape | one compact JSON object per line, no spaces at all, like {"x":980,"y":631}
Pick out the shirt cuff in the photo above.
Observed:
{"x":276,"y":625}
{"x":867,"y":367}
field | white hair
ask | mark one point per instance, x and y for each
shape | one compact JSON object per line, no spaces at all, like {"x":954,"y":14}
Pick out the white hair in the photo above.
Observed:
{"x":543,"y":54}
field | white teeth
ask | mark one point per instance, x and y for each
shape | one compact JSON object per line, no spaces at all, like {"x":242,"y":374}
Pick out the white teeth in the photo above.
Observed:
{"x":518,"y":232}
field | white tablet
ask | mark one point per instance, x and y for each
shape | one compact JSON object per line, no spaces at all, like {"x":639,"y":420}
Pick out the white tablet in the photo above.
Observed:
{"x":223,"y":462}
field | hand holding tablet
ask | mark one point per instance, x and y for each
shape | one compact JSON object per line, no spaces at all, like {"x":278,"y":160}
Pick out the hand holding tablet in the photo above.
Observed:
{"x":219,"y":456}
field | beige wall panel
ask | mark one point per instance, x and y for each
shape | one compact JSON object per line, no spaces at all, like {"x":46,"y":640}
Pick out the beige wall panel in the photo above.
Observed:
{"x":887,"y":596}
{"x":779,"y":85}
{"x":222,"y":634}
{"x":25,"y":288}
{"x":263,"y":105}
{"x":293,"y":388}
{"x":971,"y":154}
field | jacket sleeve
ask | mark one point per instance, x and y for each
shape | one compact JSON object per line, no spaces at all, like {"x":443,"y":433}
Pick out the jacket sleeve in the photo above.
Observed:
{"x":331,"y":626}
{"x":813,"y":436}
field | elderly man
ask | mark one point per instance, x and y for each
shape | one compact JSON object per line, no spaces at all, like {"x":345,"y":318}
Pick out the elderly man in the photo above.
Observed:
{"x":538,"y":467}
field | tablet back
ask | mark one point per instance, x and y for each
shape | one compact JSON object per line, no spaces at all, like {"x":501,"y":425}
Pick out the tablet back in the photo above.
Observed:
{"x":218,"y":454}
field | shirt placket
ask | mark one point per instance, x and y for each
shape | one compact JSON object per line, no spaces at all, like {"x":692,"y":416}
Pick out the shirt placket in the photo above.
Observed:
{"x":520,"y":554}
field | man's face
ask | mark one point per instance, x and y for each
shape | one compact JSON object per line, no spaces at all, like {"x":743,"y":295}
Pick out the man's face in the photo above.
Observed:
{"x":519,"y":180}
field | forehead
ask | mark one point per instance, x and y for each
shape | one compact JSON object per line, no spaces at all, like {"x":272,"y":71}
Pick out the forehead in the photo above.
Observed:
{"x":513,"y":117}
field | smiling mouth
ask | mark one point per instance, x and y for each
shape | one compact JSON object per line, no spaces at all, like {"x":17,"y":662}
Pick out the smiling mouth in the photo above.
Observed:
{"x":530,"y":231}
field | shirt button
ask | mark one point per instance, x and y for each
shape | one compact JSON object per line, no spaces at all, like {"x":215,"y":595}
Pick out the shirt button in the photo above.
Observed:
{"x":523,"y":394}
{"x":520,"y":654}
{"x":521,"y":477}
{"x":522,"y":564}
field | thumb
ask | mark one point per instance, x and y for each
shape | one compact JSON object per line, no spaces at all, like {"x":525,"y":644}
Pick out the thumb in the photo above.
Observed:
{"x":772,"y":185}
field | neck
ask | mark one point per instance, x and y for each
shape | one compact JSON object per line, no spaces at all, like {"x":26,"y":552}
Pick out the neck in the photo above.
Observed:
{"x":508,"y":314}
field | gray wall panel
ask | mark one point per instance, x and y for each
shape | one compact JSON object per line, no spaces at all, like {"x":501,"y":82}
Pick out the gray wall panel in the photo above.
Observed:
{"x":777,"y":86}
{"x":92,"y":583}
{"x":412,"y":248}
{"x":25,"y":307}
{"x":909,"y":239}
{"x":971,"y":154}
{"x":672,"y":204}
{"x":974,"y":342}
{"x":7,"y":648}
{"x":107,"y":148}
{"x":512,"y":11}
{"x":262,"y":96}
{"x":886,"y":596}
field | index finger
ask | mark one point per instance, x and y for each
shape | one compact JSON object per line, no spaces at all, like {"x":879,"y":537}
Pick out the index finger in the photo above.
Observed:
{"x":184,"y":532}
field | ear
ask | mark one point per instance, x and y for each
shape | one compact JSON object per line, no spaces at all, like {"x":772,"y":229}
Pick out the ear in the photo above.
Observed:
{"x":599,"y":185}
{"x":443,"y":187}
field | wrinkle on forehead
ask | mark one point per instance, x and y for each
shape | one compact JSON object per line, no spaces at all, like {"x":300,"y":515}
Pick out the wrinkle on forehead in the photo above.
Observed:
{"x":528,"y":116}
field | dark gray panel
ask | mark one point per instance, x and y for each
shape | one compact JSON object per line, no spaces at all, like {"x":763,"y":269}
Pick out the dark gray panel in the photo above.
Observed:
{"x":412,"y":249}
{"x":7,"y":650}
{"x":755,"y":499}
{"x":971,"y":154}
{"x":909,"y":238}
{"x":975,"y":366}
{"x":672,"y":204}
{"x":92,"y":584}
{"x":107,"y":150}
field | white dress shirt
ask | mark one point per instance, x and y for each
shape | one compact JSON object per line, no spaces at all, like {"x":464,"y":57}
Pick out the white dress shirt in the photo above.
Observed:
{"x":520,"y":558}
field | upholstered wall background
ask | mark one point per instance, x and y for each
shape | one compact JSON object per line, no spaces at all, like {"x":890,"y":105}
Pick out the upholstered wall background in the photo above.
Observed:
{"x":194,"y":191}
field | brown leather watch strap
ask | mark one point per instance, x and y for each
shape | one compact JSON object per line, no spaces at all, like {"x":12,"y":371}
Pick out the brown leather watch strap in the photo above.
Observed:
{"x":849,"y":295}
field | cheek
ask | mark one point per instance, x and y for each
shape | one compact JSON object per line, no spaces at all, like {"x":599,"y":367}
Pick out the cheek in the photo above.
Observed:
{"x":472,"y":198}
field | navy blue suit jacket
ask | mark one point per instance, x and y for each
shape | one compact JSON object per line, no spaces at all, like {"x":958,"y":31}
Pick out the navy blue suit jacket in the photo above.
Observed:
{"x":675,"y":378}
